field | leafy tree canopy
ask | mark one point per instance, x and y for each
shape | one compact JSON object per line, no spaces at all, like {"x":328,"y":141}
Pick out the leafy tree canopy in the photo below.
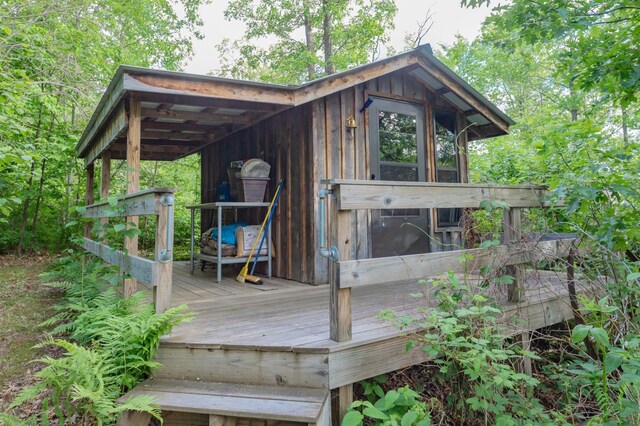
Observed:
{"x":600,"y":39}
{"x":310,"y":38}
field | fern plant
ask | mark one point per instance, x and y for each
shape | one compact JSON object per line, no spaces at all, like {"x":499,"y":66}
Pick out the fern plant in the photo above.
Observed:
{"x":114,"y":343}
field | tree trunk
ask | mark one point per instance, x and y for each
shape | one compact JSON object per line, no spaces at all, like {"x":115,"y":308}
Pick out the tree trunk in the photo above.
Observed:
{"x":25,"y":210}
{"x":39,"y":197}
{"x":27,"y":199}
{"x":327,"y":42}
{"x":308,"y":34}
{"x":625,"y":127}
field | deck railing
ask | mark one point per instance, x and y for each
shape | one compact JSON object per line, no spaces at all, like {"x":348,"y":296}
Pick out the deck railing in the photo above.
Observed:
{"x":516,"y":250}
{"x":154,"y":273}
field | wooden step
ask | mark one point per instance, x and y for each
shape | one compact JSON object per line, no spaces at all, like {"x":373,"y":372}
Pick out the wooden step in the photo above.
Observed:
{"x":288,"y":404}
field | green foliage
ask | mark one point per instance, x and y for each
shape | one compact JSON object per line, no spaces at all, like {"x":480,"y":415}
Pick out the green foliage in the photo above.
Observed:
{"x":115,"y":340}
{"x":335,"y":35}
{"x":612,"y":379}
{"x":396,"y":407}
{"x":56,"y":60}
{"x":463,"y":336}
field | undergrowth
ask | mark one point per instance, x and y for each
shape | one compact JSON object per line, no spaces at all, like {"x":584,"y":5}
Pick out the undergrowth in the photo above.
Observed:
{"x":596,"y":381}
{"x":109,"y":343}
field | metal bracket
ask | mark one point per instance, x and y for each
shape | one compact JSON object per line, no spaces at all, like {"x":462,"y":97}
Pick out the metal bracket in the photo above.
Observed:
{"x":165,"y":256}
{"x":167,"y":199}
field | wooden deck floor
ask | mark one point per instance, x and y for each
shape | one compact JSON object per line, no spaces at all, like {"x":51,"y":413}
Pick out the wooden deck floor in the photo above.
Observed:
{"x":202,"y":285}
{"x":289,"y":316}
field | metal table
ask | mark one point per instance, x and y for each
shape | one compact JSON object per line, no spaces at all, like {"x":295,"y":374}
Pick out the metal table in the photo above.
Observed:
{"x":220,"y":260}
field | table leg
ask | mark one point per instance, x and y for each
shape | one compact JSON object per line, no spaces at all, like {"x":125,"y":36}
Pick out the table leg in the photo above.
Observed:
{"x":219,"y":250}
{"x":268,"y":251}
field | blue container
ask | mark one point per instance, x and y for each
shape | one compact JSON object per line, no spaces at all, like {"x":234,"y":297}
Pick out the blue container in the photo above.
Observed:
{"x":224,"y":192}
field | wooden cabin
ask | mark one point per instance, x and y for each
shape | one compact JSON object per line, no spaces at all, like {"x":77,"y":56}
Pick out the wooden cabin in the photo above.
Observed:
{"x":388,"y":143}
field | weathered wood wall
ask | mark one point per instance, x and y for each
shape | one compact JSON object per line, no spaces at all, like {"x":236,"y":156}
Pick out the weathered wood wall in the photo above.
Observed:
{"x":312,"y":142}
{"x":344,"y":154}
{"x":283,"y":141}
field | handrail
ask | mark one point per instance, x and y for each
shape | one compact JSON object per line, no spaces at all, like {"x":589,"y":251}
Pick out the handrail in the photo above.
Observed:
{"x":156,"y":273}
{"x":350,"y":195}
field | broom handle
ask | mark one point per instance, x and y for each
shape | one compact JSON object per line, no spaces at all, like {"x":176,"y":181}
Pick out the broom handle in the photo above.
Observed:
{"x":264,"y":235}
{"x":264,"y":222}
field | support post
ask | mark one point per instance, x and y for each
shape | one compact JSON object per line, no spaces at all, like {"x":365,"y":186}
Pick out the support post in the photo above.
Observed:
{"x":340,"y":298}
{"x":133,"y":182}
{"x":105,"y":186}
{"x":88,"y":197}
{"x":526,"y":367}
{"x":164,"y":252}
{"x":512,"y":220}
{"x":341,"y":399}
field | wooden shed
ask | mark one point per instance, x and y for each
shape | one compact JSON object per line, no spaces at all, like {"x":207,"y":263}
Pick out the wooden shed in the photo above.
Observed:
{"x":375,"y":160}
{"x":404,"y":118}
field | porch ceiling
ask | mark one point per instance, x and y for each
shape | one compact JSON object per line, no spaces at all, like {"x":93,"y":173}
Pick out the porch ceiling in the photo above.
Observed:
{"x":174,"y":128}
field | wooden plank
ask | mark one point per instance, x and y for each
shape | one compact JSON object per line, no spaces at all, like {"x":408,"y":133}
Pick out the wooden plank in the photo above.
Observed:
{"x":460,"y":91}
{"x":328,"y":86}
{"x":178,"y":137}
{"x":324,"y":419}
{"x":383,"y":270}
{"x":206,"y":86}
{"x":340,"y":298}
{"x":233,"y":406}
{"x":138,"y":267}
{"x":513,"y":234}
{"x":107,"y":104}
{"x":105,"y":186}
{"x":88,"y":196}
{"x":388,"y":195}
{"x":164,"y":267}
{"x":133,"y":182}
{"x":190,"y":116}
{"x":199,"y":387}
{"x":140,"y":203}
{"x":344,"y":400}
{"x":319,"y":172}
{"x":361,"y":159}
{"x":134,"y":418}
{"x":108,"y":135}
{"x":244,"y":366}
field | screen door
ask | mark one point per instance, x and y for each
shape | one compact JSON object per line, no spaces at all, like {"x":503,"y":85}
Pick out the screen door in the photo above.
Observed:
{"x":397,"y":149}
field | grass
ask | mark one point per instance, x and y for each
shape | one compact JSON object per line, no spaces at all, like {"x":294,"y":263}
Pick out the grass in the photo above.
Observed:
{"x":24,"y":303}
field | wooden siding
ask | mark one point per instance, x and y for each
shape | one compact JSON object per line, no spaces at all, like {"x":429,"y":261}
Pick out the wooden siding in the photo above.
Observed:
{"x":346,"y":153}
{"x":284,"y":141}
{"x":310,"y":143}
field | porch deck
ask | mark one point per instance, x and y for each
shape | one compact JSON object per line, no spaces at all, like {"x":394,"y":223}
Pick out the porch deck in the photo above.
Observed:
{"x":286,"y":315}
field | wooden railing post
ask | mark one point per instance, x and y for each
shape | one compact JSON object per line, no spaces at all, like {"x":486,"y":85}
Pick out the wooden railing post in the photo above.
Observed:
{"x":340,"y":298}
{"x":512,"y":222}
{"x":340,"y":231}
{"x":105,"y":186}
{"x":133,"y":182}
{"x":88,"y":197}
{"x":164,"y":254}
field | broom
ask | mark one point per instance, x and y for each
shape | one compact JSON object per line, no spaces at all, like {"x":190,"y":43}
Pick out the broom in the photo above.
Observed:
{"x":244,"y":272}
{"x":266,"y":231}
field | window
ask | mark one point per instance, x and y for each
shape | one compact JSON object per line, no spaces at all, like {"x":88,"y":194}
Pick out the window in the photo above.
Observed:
{"x":446,"y":148}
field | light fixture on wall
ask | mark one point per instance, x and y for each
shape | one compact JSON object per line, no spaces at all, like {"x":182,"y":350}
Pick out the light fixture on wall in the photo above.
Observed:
{"x":352,"y":124}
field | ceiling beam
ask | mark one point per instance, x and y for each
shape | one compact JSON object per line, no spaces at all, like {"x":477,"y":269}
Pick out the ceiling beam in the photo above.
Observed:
{"x":195,"y":116}
{"x":177,"y":127}
{"x":179,"y":136}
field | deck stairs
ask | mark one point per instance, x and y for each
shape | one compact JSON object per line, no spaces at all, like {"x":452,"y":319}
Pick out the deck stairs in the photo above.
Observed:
{"x":226,"y":404}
